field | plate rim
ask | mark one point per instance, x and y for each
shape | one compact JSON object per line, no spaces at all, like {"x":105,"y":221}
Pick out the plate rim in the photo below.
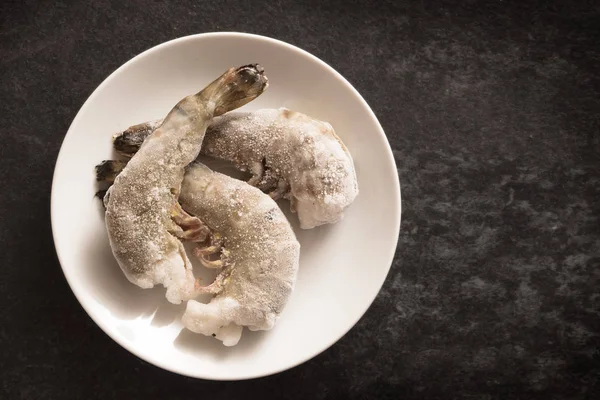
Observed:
{"x":395,"y":192}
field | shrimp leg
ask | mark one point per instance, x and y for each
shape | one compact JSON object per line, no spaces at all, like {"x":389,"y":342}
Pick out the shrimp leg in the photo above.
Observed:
{"x":215,"y":246}
{"x":191,"y":228}
{"x":212,"y":264}
{"x":219,"y":263}
{"x":214,"y":288}
{"x":217,"y":285}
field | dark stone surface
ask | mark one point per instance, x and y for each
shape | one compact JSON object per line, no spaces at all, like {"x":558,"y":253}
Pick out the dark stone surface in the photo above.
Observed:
{"x":493,"y":112}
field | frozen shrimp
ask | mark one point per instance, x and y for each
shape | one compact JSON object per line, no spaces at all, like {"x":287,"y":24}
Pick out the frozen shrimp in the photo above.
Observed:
{"x":143,"y":218}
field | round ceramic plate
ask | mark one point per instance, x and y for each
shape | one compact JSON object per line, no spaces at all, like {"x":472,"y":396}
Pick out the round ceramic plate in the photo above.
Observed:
{"x":342,"y":266}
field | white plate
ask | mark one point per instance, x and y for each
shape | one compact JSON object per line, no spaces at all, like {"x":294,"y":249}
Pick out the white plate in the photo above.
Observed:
{"x":342,"y":266}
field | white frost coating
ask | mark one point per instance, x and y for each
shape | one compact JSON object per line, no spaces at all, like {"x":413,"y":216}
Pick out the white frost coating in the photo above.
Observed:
{"x":213,"y":319}
{"x":173,"y":274}
{"x":297,"y":151}
{"x":262,"y":250}
{"x":176,"y":276}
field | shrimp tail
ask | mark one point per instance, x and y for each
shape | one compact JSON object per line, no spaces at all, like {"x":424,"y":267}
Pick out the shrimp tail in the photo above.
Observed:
{"x":101,"y":193}
{"x":236,"y":87}
{"x":128,"y":142}
{"x":108,"y":170}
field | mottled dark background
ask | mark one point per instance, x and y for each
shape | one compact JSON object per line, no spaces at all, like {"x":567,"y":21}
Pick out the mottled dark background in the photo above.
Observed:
{"x":493,"y":112}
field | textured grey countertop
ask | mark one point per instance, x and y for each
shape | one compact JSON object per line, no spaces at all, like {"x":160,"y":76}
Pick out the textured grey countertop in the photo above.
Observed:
{"x":493,"y":113}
